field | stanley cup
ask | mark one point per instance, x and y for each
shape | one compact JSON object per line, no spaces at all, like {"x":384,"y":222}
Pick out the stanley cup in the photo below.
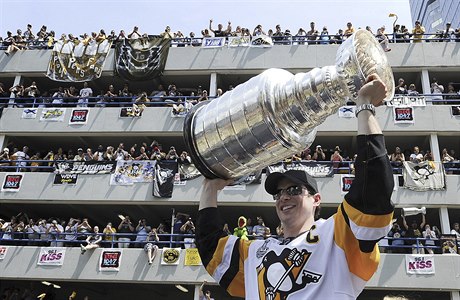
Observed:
{"x":275,"y":114}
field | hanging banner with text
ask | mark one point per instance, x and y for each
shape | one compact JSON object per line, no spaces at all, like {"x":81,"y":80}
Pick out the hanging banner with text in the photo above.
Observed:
{"x":407,"y":101}
{"x":85,"y":167}
{"x":346,"y":180}
{"x":420,"y":264}
{"x":347,"y":111}
{"x":51,"y":256}
{"x":110,"y":261}
{"x":77,"y":62}
{"x":192,"y":257}
{"x":65,"y":179}
{"x":314,"y":168}
{"x":79,"y":116}
{"x":29,"y":113}
{"x":424,"y":176}
{"x":12,"y":182}
{"x":403,"y":115}
{"x":213,"y":42}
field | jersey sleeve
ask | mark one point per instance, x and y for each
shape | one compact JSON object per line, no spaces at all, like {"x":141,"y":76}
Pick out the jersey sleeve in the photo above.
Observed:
{"x":222,"y":255}
{"x":364,"y":217}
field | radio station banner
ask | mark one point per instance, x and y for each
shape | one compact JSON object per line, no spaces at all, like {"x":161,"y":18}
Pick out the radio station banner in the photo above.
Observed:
{"x":192,"y":257}
{"x":261,"y":41}
{"x":170,"y":256}
{"x":314,"y":168}
{"x":12,"y":182}
{"x":79,"y":116}
{"x":165,"y":172}
{"x":52,"y":115}
{"x":127,"y":112}
{"x":77,"y":62}
{"x":347,"y":111}
{"x":412,"y":101}
{"x":129,"y":172}
{"x":422,"y":264}
{"x":424,"y":176}
{"x":51,"y":256}
{"x":239,"y":41}
{"x":455,"y":111}
{"x":110,"y":261}
{"x":345,"y":183}
{"x":141,"y":59}
{"x":29,"y":113}
{"x":403,"y":115}
{"x":60,"y":179}
{"x":213,"y":42}
{"x":85,"y":167}
{"x":3,"y":252}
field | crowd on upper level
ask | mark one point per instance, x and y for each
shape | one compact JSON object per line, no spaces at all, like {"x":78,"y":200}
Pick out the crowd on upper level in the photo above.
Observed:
{"x":44,"y":38}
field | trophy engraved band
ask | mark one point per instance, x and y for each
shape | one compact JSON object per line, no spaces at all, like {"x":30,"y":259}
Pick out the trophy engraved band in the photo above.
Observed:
{"x":275,"y":114}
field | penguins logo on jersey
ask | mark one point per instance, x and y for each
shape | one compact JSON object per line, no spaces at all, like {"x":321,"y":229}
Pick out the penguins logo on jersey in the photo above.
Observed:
{"x":280,"y":276}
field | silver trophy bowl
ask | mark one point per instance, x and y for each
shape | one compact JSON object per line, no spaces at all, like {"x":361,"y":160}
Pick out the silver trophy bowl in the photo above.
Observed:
{"x":275,"y":114}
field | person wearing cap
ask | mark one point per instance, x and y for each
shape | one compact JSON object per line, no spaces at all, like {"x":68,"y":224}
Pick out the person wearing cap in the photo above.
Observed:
{"x":323,"y":259}
{"x":80,"y":156}
{"x":447,"y":33}
{"x":319,"y":154}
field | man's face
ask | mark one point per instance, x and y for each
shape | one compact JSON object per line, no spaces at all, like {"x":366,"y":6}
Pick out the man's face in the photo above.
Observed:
{"x":293,"y":211}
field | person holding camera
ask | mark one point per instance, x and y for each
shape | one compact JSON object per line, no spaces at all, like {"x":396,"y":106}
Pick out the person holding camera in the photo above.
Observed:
{"x":142,"y":231}
{"x":126,"y":228}
{"x":188,"y":228}
{"x":319,"y":154}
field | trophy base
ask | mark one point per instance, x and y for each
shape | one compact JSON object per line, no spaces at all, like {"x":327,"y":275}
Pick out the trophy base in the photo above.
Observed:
{"x":190,"y":142}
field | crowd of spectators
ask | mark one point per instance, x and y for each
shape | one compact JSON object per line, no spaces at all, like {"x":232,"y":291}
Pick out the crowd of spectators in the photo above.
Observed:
{"x":438,"y":94}
{"x":45,"y":38}
{"x":38,"y":161}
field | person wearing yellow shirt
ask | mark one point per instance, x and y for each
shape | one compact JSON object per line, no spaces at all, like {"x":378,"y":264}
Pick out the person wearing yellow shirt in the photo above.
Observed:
{"x":418,"y":32}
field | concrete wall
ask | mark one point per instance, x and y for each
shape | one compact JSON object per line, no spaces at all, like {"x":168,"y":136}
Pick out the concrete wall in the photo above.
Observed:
{"x":156,"y":120}
{"x":298,"y":57}
{"x":21,"y":262}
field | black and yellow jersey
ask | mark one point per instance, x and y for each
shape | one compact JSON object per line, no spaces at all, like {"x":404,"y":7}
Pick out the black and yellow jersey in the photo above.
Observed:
{"x":333,"y":260}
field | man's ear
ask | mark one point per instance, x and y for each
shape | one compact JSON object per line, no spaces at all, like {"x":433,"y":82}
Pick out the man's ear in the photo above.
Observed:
{"x":316,"y":199}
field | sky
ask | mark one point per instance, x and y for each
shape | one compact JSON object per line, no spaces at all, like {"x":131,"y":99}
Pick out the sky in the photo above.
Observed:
{"x":80,"y":16}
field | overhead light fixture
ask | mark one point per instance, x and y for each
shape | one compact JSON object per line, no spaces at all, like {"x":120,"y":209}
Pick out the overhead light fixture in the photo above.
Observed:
{"x":41,"y":296}
{"x":181,"y":288}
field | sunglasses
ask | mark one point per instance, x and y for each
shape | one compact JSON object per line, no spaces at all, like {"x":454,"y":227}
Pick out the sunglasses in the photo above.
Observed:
{"x":294,"y":190}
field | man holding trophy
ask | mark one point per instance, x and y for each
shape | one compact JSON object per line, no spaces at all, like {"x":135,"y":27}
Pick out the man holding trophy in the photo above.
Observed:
{"x":324,"y":259}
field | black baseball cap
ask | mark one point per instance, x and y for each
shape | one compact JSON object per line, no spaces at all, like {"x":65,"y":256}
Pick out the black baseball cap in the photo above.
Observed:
{"x":296,"y":176}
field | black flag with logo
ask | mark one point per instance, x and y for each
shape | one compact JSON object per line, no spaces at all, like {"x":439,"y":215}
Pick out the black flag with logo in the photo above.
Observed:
{"x":142,"y":58}
{"x":165,"y":172}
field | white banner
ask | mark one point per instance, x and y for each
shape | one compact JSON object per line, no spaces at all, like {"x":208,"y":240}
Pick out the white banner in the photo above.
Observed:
{"x":407,"y":101}
{"x":110,"y":260}
{"x":3,"y":251}
{"x":170,"y":256}
{"x":424,"y":176}
{"x":420,"y":264}
{"x":52,"y":115}
{"x":239,"y":41}
{"x":51,"y":256}
{"x":29,"y":113}
{"x":213,"y":42}
{"x":128,"y":172}
{"x":347,"y":111}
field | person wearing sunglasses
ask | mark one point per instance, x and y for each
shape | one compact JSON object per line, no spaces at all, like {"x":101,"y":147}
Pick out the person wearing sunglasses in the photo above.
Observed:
{"x":323,"y":259}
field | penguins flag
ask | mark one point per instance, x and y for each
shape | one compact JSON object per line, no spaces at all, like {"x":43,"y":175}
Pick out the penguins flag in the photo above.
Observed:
{"x":163,"y":185}
{"x":141,"y":59}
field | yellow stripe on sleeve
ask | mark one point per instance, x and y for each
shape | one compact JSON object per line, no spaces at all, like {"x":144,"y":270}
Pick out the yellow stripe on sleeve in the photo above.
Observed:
{"x":218,"y":255}
{"x":359,"y":263}
{"x":236,"y":287}
{"x":365,"y":220}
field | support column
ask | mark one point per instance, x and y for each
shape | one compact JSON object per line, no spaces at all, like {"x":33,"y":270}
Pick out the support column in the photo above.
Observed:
{"x":444,"y":219}
{"x":2,"y":142}
{"x":455,"y":295}
{"x":213,"y":85}
{"x":196,"y":294}
{"x":434,"y":145}
{"x":426,"y":88}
